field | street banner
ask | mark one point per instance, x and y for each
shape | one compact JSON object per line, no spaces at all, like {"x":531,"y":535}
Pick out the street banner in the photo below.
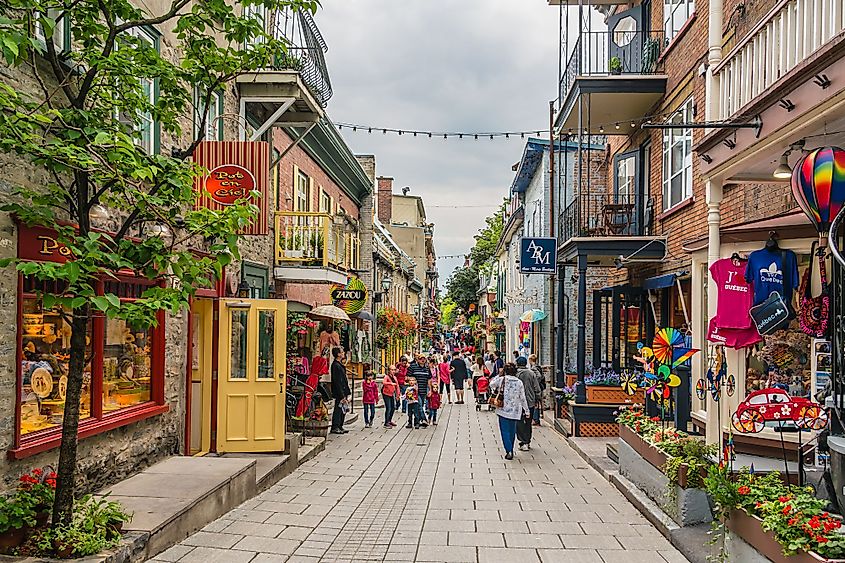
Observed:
{"x":233,"y":170}
{"x":538,"y":256}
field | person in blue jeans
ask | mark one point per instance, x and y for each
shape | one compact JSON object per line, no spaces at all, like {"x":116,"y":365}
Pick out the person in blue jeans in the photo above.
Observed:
{"x":514,"y":407}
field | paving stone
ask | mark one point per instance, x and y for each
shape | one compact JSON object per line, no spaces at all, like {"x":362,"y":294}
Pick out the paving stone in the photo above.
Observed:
{"x":573,"y":556}
{"x":544,"y":541}
{"x":477,"y":539}
{"x":450,"y":554}
{"x":254,"y":529}
{"x":215,"y":555}
{"x":268,"y":545}
{"x":209,"y":539}
{"x":507,"y":555}
{"x":174,"y":553}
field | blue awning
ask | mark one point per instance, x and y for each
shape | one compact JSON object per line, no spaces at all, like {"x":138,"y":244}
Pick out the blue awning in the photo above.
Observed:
{"x":664,"y":281}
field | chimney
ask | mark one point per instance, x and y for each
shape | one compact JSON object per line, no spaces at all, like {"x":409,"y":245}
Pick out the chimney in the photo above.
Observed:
{"x":385,"y":199}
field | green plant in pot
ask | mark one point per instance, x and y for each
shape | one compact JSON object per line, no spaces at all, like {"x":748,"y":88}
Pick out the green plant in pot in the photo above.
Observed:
{"x":99,"y":513}
{"x":17,"y":515}
{"x":615,"y":65}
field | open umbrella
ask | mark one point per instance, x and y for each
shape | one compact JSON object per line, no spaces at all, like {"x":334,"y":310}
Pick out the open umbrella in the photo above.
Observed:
{"x":533,"y":315}
{"x":363,"y":315}
{"x":329,"y":312}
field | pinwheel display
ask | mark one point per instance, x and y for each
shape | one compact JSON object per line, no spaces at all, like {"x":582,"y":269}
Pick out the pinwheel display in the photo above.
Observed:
{"x":670,"y":349}
{"x":629,"y":383}
{"x":660,"y":383}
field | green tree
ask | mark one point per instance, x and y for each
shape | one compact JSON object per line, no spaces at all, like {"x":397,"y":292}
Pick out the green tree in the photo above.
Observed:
{"x":448,"y":312}
{"x":85,"y":124}
{"x":462,"y":287}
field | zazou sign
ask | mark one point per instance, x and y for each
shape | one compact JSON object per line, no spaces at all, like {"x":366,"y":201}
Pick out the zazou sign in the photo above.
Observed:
{"x":538,"y":256}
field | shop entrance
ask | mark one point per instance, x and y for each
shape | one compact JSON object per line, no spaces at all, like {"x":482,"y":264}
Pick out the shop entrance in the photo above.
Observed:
{"x":251,"y":375}
{"x":202,"y":330}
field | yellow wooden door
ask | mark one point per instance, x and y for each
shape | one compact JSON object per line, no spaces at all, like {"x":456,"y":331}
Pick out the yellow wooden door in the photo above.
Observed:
{"x":251,"y":380}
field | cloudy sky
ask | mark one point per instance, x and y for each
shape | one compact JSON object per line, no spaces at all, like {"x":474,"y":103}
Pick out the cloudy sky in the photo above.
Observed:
{"x":453,"y":65}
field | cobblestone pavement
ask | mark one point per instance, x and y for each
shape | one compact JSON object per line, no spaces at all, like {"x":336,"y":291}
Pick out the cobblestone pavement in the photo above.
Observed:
{"x":439,"y":494}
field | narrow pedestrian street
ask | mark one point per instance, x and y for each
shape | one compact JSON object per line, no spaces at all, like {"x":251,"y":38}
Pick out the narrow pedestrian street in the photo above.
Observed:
{"x":439,"y":494}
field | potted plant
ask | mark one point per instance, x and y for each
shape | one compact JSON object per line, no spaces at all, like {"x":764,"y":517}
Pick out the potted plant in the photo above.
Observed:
{"x":16,"y":517}
{"x":615,"y":65}
{"x":37,"y":489}
{"x":101,"y":513}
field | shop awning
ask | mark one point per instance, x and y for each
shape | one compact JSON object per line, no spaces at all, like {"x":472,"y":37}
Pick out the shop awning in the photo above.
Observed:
{"x":664,"y":281}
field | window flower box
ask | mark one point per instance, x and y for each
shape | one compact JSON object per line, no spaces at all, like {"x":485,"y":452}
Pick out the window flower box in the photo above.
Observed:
{"x":613,"y":395}
{"x":749,"y":529}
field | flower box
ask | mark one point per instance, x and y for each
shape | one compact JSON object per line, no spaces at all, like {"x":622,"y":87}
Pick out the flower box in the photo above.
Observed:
{"x":613,"y":395}
{"x":750,"y":530}
{"x":651,"y":454}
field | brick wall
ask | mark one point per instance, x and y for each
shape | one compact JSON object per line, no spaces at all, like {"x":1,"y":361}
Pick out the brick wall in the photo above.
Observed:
{"x":302,"y":160}
{"x":384,"y":199}
{"x":742,"y":202}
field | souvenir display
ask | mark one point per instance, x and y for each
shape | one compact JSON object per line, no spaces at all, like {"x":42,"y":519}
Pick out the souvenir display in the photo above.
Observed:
{"x":734,"y":293}
{"x":717,"y":378}
{"x":813,"y":311}
{"x":774,"y":405}
{"x":733,"y":337}
{"x":772,"y":270}
{"x":126,"y":365}
{"x":667,"y":352}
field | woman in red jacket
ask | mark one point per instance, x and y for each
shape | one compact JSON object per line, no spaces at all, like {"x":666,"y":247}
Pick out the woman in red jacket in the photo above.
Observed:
{"x":390,"y":394}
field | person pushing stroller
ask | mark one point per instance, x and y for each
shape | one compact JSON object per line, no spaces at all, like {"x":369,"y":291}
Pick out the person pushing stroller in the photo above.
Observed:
{"x":482,"y":395}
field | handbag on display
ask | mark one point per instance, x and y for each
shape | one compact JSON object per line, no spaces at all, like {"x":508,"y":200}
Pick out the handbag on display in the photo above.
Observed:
{"x":813,"y":312}
{"x":498,"y":400}
{"x":770,"y":315}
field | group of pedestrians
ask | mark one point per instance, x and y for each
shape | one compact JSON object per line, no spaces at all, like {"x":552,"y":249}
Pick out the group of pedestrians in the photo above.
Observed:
{"x":418,"y":387}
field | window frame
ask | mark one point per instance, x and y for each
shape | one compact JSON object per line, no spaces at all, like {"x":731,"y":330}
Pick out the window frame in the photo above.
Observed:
{"x":669,"y":28}
{"x":153,"y":37}
{"x":301,"y":201}
{"x":62,"y":30}
{"x":98,"y":422}
{"x":670,"y":141}
{"x":213,"y":126}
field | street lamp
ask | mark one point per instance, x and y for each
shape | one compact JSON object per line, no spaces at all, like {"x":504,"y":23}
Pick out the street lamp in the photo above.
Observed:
{"x":386,"y":283}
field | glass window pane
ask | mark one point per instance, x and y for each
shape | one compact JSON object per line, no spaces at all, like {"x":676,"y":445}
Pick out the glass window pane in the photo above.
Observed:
{"x":677,"y":189}
{"x":238,"y":344}
{"x":266,"y":344}
{"x":44,"y":367}
{"x":127,"y":365}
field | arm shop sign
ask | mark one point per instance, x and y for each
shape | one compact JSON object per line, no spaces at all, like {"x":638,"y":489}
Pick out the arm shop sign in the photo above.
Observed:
{"x":538,"y":255}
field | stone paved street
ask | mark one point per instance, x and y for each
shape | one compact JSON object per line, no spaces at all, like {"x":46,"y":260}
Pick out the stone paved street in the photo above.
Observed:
{"x":436,"y":494}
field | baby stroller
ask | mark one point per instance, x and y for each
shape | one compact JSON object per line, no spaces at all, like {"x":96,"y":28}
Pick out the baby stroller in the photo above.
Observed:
{"x":482,"y":395}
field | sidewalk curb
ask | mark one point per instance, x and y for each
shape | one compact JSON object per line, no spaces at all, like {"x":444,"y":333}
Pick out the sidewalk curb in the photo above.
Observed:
{"x":692,"y":550}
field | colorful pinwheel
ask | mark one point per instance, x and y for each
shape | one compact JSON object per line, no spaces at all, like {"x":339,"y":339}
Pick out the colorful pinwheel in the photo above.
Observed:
{"x":669,"y":347}
{"x":630,"y":383}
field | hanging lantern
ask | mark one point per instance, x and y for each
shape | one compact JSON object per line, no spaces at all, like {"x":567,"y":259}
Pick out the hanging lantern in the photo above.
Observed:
{"x":818,"y":185}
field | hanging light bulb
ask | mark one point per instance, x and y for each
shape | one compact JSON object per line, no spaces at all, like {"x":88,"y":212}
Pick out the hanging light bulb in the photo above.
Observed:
{"x":507,"y":135}
{"x":369,"y":130}
{"x":415,"y":133}
{"x":461,"y":136}
{"x":400,"y":133}
{"x":633,"y":124}
{"x":384,"y":131}
{"x":601,"y":128}
{"x":476,"y":137}
{"x":429,"y":135}
{"x":98,"y":212}
{"x":617,"y":126}
{"x":355,"y":129}
{"x":491,"y":137}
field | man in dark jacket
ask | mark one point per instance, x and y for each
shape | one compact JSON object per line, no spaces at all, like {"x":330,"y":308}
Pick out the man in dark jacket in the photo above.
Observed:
{"x":419,"y":369}
{"x":532,"y":394}
{"x":340,"y":391}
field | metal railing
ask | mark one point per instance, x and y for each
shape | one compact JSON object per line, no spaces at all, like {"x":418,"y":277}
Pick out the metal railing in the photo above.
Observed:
{"x":601,"y":215}
{"x":778,"y":44}
{"x":305,"y":50}
{"x":598,"y":53}
{"x":316,"y":239}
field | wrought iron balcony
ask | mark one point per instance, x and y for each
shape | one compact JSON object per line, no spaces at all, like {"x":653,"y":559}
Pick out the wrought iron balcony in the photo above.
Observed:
{"x":316,"y":239}
{"x":305,"y":51}
{"x":603,"y":215}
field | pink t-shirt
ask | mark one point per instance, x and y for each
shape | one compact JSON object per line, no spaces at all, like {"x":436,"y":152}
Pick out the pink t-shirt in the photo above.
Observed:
{"x":735,"y":294}
{"x":445,"y":376}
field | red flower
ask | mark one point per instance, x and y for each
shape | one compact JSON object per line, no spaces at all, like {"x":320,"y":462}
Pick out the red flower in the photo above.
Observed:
{"x":793,"y":521}
{"x":783,"y":499}
{"x":821,"y":539}
{"x":758,"y":504}
{"x":744,"y":490}
{"x":786,"y":509}
{"x":655,"y":419}
{"x":814,"y":523}
{"x":37,"y":471}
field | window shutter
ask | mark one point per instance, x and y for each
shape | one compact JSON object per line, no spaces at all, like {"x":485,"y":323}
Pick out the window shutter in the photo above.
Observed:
{"x":311,"y":190}
{"x":295,"y":190}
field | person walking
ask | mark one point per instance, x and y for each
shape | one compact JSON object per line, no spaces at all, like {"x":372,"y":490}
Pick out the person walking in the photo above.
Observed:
{"x":340,"y":391}
{"x":498,"y":363}
{"x":419,"y":370}
{"x":412,"y":397}
{"x":488,"y":363}
{"x":445,"y":378}
{"x":458,"y":370}
{"x":369,"y":389}
{"x":477,"y":371}
{"x":401,"y":375}
{"x":390,"y":394}
{"x":433,"y":402}
{"x":538,"y":408}
{"x":532,"y":394}
{"x":514,"y":405}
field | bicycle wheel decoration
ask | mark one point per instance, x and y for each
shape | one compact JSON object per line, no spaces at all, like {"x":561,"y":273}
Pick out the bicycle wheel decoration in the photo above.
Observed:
{"x":700,"y":389}
{"x":775,"y":406}
{"x":812,"y":417}
{"x":749,"y":421}
{"x":730,"y":385}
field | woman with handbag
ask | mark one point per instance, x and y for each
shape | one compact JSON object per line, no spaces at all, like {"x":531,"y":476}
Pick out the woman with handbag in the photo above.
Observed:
{"x":508,"y":396}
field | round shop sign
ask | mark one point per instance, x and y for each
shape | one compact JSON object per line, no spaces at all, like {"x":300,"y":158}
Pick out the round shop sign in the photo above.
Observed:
{"x":228,"y":183}
{"x":352,"y":297}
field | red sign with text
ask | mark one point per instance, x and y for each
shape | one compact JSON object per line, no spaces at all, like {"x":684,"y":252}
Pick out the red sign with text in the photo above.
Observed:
{"x":41,"y":244}
{"x":233,"y":169}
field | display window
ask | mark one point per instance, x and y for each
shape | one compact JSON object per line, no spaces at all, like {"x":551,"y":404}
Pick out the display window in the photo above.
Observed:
{"x":123,"y":378}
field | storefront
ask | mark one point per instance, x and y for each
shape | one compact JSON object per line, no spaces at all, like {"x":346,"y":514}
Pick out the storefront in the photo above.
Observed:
{"x":125,"y":373}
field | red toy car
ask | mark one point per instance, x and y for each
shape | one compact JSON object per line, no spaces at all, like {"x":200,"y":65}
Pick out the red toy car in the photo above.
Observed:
{"x":775,"y":405}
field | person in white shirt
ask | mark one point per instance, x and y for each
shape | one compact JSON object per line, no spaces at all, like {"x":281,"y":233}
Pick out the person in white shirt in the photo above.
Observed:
{"x":514,"y":408}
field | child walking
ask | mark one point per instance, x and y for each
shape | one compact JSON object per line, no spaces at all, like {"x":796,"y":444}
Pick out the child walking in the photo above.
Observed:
{"x":370,"y":399}
{"x":412,"y":397}
{"x":433,"y":402}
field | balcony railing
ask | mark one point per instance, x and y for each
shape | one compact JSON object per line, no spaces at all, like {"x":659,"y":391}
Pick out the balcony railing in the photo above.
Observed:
{"x":305,"y":51}
{"x":598,"y":53}
{"x":316,"y":239}
{"x":601,"y":215}
{"x":787,"y":36}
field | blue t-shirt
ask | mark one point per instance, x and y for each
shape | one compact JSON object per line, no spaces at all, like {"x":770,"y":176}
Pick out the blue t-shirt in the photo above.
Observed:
{"x":765,"y":271}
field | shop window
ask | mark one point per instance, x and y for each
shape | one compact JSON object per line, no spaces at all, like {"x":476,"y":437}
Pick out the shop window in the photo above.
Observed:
{"x":675,"y":16}
{"x":677,"y":158}
{"x":124,"y":365}
{"x":266,"y":344}
{"x":239,"y":344}
{"x":45,"y":357}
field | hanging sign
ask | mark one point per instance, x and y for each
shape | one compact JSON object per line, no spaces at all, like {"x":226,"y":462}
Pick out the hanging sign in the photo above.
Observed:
{"x":232,"y":171}
{"x":351,"y":297}
{"x":538,"y":255}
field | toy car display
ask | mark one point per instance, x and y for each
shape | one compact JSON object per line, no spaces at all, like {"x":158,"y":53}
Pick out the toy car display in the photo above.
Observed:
{"x":776,"y":405}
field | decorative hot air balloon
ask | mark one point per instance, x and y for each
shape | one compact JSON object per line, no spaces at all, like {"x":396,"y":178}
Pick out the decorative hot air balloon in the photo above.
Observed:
{"x":818,"y":184}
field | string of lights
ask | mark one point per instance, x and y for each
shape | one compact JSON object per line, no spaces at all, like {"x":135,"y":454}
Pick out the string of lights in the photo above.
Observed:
{"x":621,"y":127}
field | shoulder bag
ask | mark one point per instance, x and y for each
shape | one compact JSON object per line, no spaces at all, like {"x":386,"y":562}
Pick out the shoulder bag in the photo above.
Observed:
{"x":813,"y":311}
{"x":498,"y":400}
